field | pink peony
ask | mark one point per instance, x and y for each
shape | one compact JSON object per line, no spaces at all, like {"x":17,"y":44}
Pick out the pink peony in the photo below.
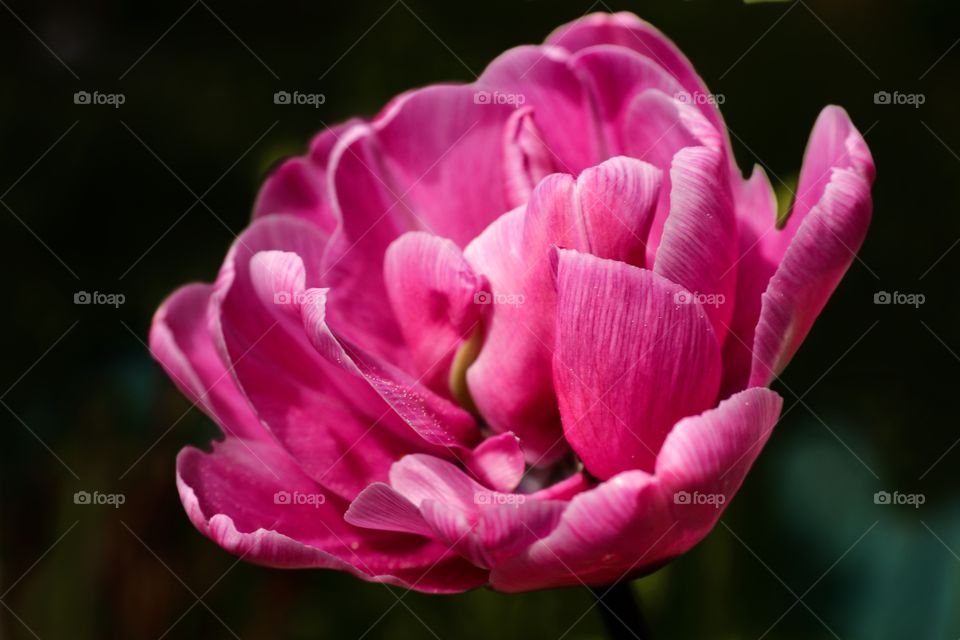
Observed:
{"x":516,"y":333}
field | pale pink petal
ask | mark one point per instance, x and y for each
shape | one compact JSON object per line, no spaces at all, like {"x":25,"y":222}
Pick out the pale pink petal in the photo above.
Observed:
{"x":649,"y":361}
{"x":381,"y":507}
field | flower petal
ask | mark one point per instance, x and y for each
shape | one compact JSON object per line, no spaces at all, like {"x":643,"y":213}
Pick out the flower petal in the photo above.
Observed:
{"x":648,"y":363}
{"x":255,"y":502}
{"x":432,"y":291}
{"x":698,"y":249}
{"x":497,"y":462}
{"x":181,"y":342}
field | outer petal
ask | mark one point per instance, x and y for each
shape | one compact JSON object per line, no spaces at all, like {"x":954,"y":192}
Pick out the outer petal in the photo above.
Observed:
{"x":181,"y":342}
{"x":433,"y":292}
{"x":337,"y":428}
{"x":627,"y":30}
{"x":633,"y":523}
{"x":698,"y":249}
{"x":606,"y":211}
{"x":813,"y":265}
{"x":298,"y":186}
{"x":649,"y":361}
{"x":255,"y":502}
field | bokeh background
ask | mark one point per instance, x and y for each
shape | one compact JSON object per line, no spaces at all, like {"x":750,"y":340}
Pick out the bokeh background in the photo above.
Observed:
{"x":139,"y":199}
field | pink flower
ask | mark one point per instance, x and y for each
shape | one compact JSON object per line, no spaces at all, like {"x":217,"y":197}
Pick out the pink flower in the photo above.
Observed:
{"x":515,"y":333}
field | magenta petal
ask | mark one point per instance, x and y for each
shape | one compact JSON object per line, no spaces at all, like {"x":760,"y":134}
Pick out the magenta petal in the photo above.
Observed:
{"x":380,"y":507}
{"x":541,"y":78}
{"x":315,"y":412}
{"x":649,"y":361}
{"x":255,"y":502}
{"x":615,"y":76}
{"x":627,"y":30}
{"x":526,"y":157}
{"x":497,"y":462}
{"x":710,"y":454}
{"x":435,"y":419}
{"x":298,"y":187}
{"x":635,"y":521}
{"x":433,"y":292}
{"x":825,"y":245}
{"x":606,"y":210}
{"x":698,"y":249}
{"x":181,"y":342}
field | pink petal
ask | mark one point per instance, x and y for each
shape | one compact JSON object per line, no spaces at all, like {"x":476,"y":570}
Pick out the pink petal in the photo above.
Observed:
{"x":381,"y":507}
{"x":435,"y":419}
{"x":627,"y":30}
{"x":634,"y":522}
{"x":497,"y":462}
{"x":432,"y":291}
{"x":526,"y":158}
{"x":710,"y":455}
{"x":298,"y":187}
{"x":615,"y":76}
{"x":814,"y":263}
{"x":649,"y":361}
{"x":180,"y":340}
{"x":698,"y":249}
{"x":336,"y":426}
{"x":541,"y":78}
{"x":253,"y":500}
{"x":606,"y":211}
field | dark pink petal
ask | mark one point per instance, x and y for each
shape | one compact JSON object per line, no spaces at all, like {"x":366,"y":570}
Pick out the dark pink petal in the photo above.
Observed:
{"x":627,"y":30}
{"x":299,"y":186}
{"x":526,"y":158}
{"x":635,"y":521}
{"x":432,"y":291}
{"x":181,"y":342}
{"x":698,"y":249}
{"x":710,"y":455}
{"x":825,"y":245}
{"x":435,"y":419}
{"x":606,"y":211}
{"x":381,"y":507}
{"x":649,"y":361}
{"x":255,"y":502}
{"x":336,"y":426}
{"x":541,"y":78}
{"x":497,"y":462}
{"x":756,"y":206}
{"x":615,"y":76}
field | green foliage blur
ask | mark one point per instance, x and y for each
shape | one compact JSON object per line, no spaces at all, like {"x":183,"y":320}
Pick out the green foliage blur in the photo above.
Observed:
{"x":803,"y":551}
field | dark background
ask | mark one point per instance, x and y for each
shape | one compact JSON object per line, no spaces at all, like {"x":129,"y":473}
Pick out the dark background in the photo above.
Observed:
{"x":104,"y":199}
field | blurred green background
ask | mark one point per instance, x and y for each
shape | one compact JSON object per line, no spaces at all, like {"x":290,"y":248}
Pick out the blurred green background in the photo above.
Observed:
{"x":104,"y":199}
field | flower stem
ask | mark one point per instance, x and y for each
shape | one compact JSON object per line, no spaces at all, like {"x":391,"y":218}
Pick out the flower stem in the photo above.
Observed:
{"x":621,"y":612}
